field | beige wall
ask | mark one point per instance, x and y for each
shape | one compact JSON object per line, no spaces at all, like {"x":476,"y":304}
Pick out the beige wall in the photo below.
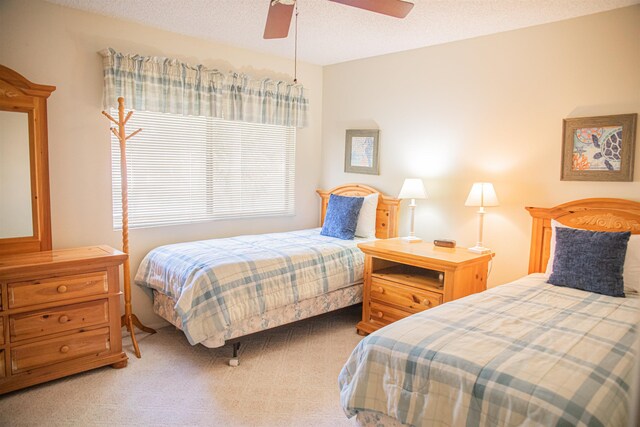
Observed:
{"x":54,"y":45}
{"x":486,"y":109}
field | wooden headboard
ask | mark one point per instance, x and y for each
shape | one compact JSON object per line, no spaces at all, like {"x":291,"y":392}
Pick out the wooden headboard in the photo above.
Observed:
{"x":587,"y":214}
{"x":387,"y":212}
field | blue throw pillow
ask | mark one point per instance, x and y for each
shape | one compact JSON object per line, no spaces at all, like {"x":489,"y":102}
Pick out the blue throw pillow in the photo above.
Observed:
{"x":590,"y":260}
{"x":342,"y":216}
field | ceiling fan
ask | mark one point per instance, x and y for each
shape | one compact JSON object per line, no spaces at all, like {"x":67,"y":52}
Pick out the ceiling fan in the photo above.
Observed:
{"x":280,"y":12}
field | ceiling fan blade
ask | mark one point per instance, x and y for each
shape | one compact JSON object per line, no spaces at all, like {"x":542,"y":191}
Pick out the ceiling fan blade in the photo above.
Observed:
{"x":395,"y":8}
{"x":278,"y":20}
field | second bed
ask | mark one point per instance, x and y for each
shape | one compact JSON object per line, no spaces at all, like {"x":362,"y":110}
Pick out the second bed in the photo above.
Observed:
{"x":220,"y":289}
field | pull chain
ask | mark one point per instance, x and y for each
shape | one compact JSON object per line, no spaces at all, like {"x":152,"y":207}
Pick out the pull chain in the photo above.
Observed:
{"x":295,"y":51}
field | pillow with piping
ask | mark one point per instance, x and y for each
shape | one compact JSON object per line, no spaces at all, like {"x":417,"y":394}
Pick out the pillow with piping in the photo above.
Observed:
{"x":341,"y":217}
{"x":590,"y":260}
{"x":631,"y":272}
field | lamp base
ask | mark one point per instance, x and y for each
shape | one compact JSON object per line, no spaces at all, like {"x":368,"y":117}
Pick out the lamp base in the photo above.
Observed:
{"x":411,"y":239}
{"x":479,"y":250}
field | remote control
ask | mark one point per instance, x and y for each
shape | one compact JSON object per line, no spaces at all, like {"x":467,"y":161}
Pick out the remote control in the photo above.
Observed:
{"x":443,"y":243}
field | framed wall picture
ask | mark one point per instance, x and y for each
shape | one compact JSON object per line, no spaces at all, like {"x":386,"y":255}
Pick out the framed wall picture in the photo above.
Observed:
{"x":361,"y":151}
{"x":599,"y":148}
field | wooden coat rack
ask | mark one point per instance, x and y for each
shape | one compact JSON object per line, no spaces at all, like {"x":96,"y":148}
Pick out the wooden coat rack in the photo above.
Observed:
{"x":128,"y":319}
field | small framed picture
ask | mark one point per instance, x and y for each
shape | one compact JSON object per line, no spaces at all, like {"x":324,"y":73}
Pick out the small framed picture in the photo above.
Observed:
{"x":361,"y":151}
{"x":599,"y":148}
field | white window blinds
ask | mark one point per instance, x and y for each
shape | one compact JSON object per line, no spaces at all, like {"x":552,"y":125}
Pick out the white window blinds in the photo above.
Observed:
{"x":185,"y":169}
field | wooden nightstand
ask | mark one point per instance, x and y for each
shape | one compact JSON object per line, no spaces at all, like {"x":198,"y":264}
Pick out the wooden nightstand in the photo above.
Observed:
{"x":402,"y":278}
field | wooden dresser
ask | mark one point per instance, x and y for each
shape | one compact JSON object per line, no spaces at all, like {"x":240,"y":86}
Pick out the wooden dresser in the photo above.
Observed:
{"x":59,"y":314}
{"x":402,"y":278}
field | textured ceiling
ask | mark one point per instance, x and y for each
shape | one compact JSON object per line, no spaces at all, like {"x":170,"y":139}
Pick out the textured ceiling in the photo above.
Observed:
{"x":330,"y":33}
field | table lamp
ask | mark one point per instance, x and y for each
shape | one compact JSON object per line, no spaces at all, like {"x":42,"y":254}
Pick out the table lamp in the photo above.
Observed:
{"x":413,"y":188}
{"x":482,"y":194}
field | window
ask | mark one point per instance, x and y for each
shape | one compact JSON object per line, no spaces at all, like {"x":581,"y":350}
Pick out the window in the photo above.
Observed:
{"x":184,"y":169}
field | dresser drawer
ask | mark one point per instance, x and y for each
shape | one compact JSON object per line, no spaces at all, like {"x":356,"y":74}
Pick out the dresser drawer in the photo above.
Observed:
{"x":58,"y":319}
{"x":56,"y":289}
{"x":383,"y":314}
{"x":1,"y":330}
{"x":60,"y":349}
{"x":403,"y":297}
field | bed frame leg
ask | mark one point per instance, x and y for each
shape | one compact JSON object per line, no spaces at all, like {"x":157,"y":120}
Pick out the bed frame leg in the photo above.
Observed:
{"x":235,"y":360}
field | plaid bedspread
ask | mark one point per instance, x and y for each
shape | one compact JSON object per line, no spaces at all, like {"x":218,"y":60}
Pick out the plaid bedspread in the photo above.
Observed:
{"x":525,"y":353}
{"x":221,"y":281}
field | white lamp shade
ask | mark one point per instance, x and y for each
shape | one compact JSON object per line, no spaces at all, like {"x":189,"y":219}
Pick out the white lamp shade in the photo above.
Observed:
{"x":482,"y":194}
{"x":413,"y":188}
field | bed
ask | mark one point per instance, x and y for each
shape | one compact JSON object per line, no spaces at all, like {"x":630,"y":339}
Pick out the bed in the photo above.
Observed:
{"x":524,"y":353}
{"x":222,"y":289}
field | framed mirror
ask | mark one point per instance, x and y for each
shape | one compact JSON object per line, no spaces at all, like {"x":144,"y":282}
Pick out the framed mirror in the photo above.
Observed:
{"x":25,"y":213}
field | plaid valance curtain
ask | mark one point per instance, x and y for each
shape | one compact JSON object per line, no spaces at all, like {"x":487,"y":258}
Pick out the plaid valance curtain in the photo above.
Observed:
{"x":170,"y":86}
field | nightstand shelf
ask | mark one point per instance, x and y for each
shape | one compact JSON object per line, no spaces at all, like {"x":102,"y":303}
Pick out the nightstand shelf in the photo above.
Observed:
{"x":412,"y":276}
{"x":403,"y":278}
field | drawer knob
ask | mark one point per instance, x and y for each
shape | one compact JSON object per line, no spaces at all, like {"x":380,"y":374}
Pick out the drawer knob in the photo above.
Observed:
{"x":381,"y":289}
{"x":64,"y":349}
{"x":62,"y":289}
{"x":380,"y":314}
{"x":63,"y":319}
{"x":426,"y":302}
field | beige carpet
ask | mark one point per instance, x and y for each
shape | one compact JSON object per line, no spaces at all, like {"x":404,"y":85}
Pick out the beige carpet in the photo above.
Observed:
{"x":286,"y":377}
